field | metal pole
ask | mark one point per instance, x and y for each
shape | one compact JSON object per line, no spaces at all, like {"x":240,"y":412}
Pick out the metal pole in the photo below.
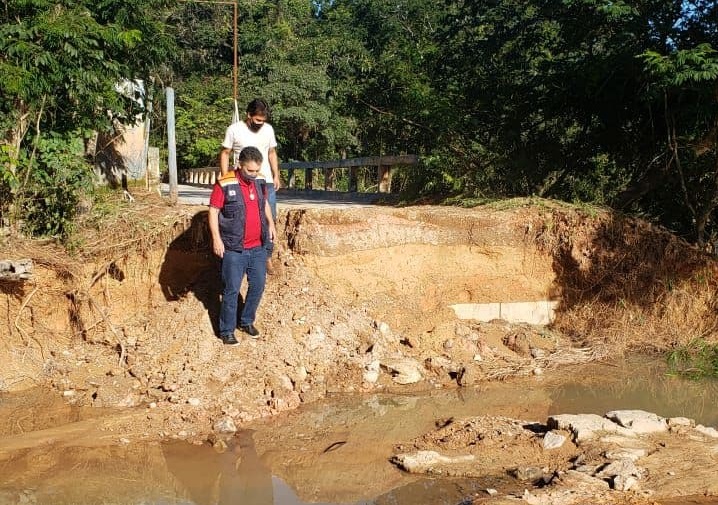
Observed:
{"x":235,"y":52}
{"x":171,"y":145}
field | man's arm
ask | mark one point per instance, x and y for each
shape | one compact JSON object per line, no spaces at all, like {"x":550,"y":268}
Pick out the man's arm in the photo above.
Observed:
{"x":217,"y":244}
{"x":224,"y":160}
{"x":270,"y":221}
{"x":274,"y":165}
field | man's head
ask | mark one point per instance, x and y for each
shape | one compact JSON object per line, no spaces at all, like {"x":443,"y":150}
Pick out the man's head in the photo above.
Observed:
{"x":250,"y":162}
{"x":257,"y":114}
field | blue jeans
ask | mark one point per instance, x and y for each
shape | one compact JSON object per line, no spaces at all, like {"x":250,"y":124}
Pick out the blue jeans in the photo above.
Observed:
{"x":272,"y":199}
{"x":253,"y":263}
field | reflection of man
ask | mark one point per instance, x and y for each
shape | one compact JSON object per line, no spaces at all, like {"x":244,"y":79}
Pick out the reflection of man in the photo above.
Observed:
{"x":257,"y":132}
{"x":234,"y":477}
{"x":245,"y":479}
{"x":241,"y":225}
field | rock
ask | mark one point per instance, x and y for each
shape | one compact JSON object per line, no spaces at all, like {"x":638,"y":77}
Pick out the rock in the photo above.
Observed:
{"x":676,"y":422}
{"x":403,"y":370}
{"x":426,"y":461}
{"x":194,"y":402}
{"x":519,"y":343}
{"x":527,"y":473}
{"x":300,"y":374}
{"x":537,"y":353}
{"x":19,"y":270}
{"x":285,"y":382}
{"x":315,"y":338}
{"x":371,"y":371}
{"x":286,"y":400}
{"x":630,"y":442}
{"x":225,"y":425}
{"x":631,"y":454}
{"x":440,"y":365}
{"x":382,"y":327}
{"x":585,"y":426}
{"x":623,"y":468}
{"x":468,"y":375}
{"x":711,"y":432}
{"x":638,"y":421}
{"x":622,"y":483}
{"x":553,"y":440}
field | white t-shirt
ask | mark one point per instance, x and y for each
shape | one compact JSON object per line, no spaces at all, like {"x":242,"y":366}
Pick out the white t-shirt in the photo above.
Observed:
{"x":239,"y":136}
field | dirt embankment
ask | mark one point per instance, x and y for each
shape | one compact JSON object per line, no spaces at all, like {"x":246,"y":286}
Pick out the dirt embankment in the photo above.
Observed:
{"x":361,"y":302}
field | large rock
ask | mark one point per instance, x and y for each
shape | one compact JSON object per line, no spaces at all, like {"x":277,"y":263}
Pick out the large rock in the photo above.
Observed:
{"x":427,"y":461}
{"x":403,"y":370}
{"x":639,"y":421}
{"x":585,"y":426}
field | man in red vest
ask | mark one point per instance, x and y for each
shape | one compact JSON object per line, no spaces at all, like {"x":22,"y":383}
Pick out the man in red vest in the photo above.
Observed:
{"x":241,"y":226}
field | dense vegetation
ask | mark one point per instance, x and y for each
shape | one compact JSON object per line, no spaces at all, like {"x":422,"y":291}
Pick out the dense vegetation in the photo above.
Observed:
{"x":609,"y":102}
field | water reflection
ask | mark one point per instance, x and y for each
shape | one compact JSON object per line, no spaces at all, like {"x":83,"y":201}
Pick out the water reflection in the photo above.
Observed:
{"x":638,"y":383}
{"x":285,"y":462}
{"x":235,"y":476}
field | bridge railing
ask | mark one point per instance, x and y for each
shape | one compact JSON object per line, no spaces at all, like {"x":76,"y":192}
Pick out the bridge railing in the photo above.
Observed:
{"x":384,"y":166}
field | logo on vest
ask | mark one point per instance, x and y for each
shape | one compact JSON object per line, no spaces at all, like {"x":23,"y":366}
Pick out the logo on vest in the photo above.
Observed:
{"x":232,"y":192}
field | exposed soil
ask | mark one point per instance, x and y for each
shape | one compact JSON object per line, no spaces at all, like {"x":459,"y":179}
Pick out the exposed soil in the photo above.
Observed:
{"x":129,"y":321}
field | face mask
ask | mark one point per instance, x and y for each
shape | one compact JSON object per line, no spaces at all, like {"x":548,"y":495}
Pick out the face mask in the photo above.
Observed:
{"x":255,"y":127}
{"x":248,"y":176}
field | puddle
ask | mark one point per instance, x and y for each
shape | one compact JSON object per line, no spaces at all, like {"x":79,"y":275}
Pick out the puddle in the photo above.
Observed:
{"x":333,"y":452}
{"x":639,"y":383}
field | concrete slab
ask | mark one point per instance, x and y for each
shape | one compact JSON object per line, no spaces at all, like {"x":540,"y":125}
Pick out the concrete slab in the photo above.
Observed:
{"x":539,"y":312}
{"x":477,"y":311}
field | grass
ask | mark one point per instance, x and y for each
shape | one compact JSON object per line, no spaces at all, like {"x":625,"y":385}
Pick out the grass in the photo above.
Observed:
{"x":696,"y":360}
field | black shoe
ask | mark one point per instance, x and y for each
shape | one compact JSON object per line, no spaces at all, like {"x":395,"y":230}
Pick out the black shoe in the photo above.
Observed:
{"x":229,"y":339}
{"x":250,"y":330}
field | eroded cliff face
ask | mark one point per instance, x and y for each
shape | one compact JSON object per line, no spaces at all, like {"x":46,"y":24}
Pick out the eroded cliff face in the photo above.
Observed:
{"x":360,"y":302}
{"x":120,"y":339}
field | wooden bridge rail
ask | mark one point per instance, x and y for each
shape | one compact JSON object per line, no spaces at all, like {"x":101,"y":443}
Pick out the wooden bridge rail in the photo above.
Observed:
{"x":384,"y":164}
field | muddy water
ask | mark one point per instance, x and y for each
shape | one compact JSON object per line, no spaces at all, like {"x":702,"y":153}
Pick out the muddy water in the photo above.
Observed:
{"x":330,"y":453}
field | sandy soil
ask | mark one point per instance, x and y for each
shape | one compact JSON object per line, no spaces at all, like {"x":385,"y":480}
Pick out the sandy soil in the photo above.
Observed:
{"x":131,"y":327}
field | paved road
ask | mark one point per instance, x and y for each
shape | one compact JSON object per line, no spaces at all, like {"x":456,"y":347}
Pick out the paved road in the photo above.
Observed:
{"x":199,"y":195}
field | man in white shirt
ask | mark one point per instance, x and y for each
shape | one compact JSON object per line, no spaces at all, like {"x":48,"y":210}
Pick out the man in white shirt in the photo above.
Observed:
{"x":257,"y":132}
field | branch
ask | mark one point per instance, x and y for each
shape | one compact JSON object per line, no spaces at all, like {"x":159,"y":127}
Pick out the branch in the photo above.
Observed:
{"x":36,"y":140}
{"x":123,"y":351}
{"x":403,"y":119}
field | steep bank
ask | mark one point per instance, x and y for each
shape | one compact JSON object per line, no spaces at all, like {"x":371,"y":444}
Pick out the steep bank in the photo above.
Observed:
{"x":361,"y":303}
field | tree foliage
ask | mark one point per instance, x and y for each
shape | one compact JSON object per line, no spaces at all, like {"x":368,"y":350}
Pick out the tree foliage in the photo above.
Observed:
{"x":61,"y":62}
{"x":610,"y":102}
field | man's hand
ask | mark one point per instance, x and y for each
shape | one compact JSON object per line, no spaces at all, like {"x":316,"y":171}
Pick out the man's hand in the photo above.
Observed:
{"x":218,"y":248}
{"x":213,"y":221}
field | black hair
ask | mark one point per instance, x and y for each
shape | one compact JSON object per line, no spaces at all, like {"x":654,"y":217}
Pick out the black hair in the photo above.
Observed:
{"x":250,"y":153}
{"x":258,"y":106}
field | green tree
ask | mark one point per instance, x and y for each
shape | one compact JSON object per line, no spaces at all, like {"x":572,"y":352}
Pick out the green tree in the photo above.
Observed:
{"x":61,"y":62}
{"x":685,"y":90}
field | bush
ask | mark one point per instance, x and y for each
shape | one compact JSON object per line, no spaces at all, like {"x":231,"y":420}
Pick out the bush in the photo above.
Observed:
{"x":58,"y":177}
{"x":695,"y":360}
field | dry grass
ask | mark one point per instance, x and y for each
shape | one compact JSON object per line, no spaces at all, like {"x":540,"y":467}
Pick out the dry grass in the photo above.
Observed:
{"x":113,"y":237}
{"x":627,"y":284}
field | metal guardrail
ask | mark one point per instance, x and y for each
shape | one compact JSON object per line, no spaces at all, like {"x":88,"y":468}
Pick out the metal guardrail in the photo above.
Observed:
{"x":384,"y":164}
